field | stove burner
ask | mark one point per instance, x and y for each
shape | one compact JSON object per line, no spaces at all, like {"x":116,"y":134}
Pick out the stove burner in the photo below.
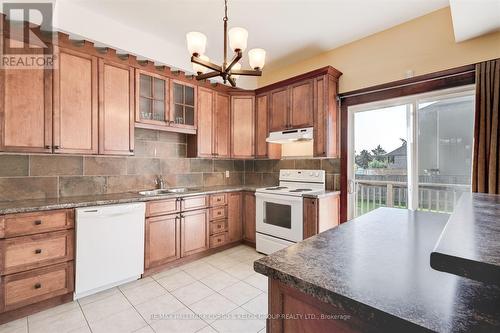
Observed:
{"x":276,"y":188}
{"x":301,"y":190}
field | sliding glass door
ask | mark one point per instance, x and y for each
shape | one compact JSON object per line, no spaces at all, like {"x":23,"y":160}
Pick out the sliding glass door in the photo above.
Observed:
{"x":413,"y":152}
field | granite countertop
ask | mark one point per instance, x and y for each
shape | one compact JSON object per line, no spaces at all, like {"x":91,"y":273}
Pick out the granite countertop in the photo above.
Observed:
{"x":469,"y":245}
{"x":24,"y":206}
{"x":377,"y":267}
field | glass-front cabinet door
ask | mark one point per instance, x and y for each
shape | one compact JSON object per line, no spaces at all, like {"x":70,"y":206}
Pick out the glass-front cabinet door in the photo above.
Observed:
{"x":152,"y":98}
{"x":183,"y":107}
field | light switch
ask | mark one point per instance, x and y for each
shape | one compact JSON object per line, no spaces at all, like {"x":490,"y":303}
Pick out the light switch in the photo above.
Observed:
{"x":227,"y":173}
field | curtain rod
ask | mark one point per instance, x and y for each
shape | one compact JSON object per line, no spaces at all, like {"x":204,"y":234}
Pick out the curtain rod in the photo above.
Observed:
{"x":348,"y":95}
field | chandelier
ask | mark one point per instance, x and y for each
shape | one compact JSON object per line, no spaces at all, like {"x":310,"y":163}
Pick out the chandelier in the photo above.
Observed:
{"x":196,"y":43}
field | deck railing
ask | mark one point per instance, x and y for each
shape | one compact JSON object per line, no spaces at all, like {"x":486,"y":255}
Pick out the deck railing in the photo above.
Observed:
{"x":371,"y":194}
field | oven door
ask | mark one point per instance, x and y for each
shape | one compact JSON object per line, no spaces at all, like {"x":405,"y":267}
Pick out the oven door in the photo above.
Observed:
{"x":279,"y":216}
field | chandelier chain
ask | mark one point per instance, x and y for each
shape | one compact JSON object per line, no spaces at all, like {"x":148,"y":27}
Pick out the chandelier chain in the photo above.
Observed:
{"x":225,"y":10}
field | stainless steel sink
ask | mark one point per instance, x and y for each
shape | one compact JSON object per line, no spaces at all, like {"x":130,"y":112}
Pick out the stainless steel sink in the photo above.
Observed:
{"x":163,"y":191}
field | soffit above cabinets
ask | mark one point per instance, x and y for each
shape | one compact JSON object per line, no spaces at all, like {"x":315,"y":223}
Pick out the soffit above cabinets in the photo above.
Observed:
{"x":474,"y":18}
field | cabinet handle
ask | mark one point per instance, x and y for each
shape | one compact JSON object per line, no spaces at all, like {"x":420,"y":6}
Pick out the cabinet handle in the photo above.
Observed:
{"x":218,"y":213}
{"x":219,"y":199}
{"x":219,"y":226}
{"x":38,"y":251}
{"x":38,"y":285}
{"x":47,"y":147}
{"x":219,"y":240}
{"x":37,"y":222}
{"x":57,"y":147}
{"x":131,"y":150}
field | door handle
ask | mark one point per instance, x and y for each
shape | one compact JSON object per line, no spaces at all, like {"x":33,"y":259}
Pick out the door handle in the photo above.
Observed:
{"x":351,"y":187}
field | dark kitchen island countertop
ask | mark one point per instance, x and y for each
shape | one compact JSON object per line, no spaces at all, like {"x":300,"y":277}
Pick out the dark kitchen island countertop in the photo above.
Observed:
{"x":470,"y":243}
{"x":377,"y":267}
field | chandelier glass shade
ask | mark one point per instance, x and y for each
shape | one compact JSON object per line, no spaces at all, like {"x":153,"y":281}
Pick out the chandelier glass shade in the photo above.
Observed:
{"x":229,"y":71}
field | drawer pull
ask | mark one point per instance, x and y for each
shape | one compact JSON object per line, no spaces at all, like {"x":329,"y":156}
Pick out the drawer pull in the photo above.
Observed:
{"x":38,"y":251}
{"x":219,"y":199}
{"x":38,"y":285}
{"x":219,"y":240}
{"x":219,"y":226}
{"x":38,"y":222}
{"x":218,"y":213}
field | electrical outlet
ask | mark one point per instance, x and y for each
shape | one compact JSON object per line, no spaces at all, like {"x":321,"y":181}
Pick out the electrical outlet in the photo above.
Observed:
{"x":227,"y":173}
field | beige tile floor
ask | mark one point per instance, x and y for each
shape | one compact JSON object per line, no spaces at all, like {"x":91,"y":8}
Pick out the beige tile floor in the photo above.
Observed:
{"x":219,"y":293}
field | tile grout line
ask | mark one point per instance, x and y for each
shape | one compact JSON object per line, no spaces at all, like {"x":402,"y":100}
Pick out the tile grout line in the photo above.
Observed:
{"x":137,"y":311}
{"x":84,"y":316}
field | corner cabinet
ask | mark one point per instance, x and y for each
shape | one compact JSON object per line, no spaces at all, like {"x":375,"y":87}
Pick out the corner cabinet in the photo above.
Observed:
{"x":213,"y":132}
{"x":242,"y":127}
{"x":116,"y":108}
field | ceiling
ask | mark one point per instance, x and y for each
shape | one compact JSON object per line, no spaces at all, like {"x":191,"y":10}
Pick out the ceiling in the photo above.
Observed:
{"x":473,"y":18}
{"x":289,"y":30}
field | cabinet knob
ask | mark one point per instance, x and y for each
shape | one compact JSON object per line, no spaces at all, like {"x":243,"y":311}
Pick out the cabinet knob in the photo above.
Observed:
{"x":38,"y":285}
{"x":38,"y":251}
{"x":37,"y":222}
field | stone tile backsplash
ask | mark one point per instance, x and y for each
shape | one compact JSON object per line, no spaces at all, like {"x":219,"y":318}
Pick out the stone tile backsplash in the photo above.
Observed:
{"x":37,"y":176}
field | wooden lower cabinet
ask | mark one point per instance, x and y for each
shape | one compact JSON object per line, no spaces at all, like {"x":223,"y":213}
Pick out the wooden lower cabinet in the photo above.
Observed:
{"x":234,"y":225}
{"x":292,"y":311}
{"x":33,"y":286}
{"x":320,"y":214}
{"x":29,"y":252}
{"x":163,"y":241}
{"x":36,"y":262}
{"x":249,"y":216}
{"x":194,"y":232}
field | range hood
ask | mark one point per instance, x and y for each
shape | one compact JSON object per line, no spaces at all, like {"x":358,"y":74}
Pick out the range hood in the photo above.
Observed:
{"x":289,"y":136}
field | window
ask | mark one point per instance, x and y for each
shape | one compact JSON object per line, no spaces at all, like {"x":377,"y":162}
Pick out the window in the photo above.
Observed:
{"x":413,"y":152}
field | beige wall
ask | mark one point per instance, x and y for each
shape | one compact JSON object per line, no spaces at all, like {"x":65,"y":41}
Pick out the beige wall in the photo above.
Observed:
{"x":424,"y":45}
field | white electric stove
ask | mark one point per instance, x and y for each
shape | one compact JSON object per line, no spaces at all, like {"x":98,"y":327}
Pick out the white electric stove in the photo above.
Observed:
{"x":279,"y":209}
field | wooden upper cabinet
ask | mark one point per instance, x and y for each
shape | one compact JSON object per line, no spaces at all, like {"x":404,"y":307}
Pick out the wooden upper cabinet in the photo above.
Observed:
{"x":116,"y":108}
{"x":183,"y":105}
{"x":221,"y":127}
{"x":262,"y":148}
{"x":278,"y":112}
{"x":26,"y":110}
{"x":204,"y":142}
{"x":242,"y":127}
{"x":75,"y":103}
{"x":234,"y":217}
{"x":326,"y":120}
{"x":301,"y":104}
{"x":152,"y":98}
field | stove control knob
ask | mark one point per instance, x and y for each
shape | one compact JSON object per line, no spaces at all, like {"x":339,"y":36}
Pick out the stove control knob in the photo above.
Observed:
{"x":311,"y":173}
{"x":317,"y":174}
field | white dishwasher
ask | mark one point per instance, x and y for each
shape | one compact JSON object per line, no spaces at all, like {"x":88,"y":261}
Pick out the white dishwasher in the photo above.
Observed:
{"x":109,"y":246}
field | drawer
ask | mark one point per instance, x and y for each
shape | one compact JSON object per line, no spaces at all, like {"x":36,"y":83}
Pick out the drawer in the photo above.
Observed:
{"x":218,"y":199}
{"x":14,"y":225}
{"x":162,"y":207}
{"x":218,"y":227}
{"x":217,"y":213}
{"x":191,"y":203}
{"x":218,"y":240}
{"x":28,"y":252}
{"x":37,"y":285}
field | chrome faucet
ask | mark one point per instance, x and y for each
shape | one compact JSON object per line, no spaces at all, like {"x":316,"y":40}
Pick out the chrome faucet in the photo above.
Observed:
{"x":160,"y":182}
